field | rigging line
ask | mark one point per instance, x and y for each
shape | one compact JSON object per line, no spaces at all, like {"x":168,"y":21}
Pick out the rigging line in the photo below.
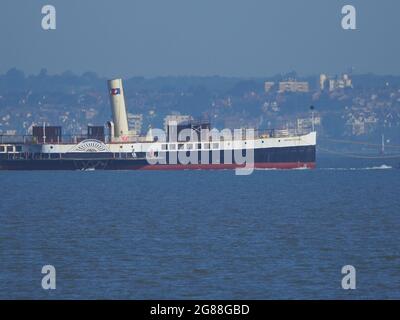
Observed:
{"x":360,"y":142}
{"x":350,"y":155}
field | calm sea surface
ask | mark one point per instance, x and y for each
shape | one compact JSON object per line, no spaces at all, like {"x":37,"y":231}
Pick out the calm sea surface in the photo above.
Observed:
{"x":201,"y":234}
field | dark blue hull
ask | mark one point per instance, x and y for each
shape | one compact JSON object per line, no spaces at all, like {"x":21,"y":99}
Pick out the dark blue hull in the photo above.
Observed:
{"x":279,"y":158}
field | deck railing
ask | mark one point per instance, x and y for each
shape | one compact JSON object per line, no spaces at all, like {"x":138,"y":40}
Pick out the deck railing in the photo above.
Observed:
{"x":74,"y":139}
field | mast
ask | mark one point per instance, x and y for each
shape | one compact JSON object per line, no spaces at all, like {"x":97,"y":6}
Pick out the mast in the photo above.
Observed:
{"x":312,"y":118}
{"x":44,"y":132}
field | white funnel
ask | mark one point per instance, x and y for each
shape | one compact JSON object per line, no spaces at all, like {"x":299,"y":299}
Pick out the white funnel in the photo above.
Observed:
{"x":117,"y":100}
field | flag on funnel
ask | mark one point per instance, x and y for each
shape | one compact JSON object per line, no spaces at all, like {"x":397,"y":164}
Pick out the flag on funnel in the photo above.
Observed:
{"x":115,"y":91}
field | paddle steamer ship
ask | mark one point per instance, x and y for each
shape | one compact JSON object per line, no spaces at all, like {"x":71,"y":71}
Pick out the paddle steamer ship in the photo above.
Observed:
{"x":123,"y":149}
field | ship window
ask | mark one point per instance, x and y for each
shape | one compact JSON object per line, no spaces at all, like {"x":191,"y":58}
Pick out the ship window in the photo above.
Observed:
{"x":172,"y":147}
{"x":2,"y":149}
{"x":199,"y":146}
{"x":10,"y":149}
{"x":206,"y":146}
{"x":180,"y":146}
{"x":18,"y":148}
{"x":164,"y":147}
{"x":215,"y":145}
{"x":189,"y":146}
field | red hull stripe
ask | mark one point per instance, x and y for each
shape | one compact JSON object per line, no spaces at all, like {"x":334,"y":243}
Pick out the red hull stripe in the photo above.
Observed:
{"x":261,"y":165}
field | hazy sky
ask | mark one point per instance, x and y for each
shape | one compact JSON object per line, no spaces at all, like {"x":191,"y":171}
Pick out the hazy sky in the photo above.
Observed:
{"x":200,"y":37}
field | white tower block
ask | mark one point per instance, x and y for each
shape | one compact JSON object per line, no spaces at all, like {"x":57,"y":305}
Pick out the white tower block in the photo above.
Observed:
{"x":117,"y":100}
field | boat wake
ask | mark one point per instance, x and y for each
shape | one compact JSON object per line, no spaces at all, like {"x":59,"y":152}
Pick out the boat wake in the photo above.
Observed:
{"x":382,"y":167}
